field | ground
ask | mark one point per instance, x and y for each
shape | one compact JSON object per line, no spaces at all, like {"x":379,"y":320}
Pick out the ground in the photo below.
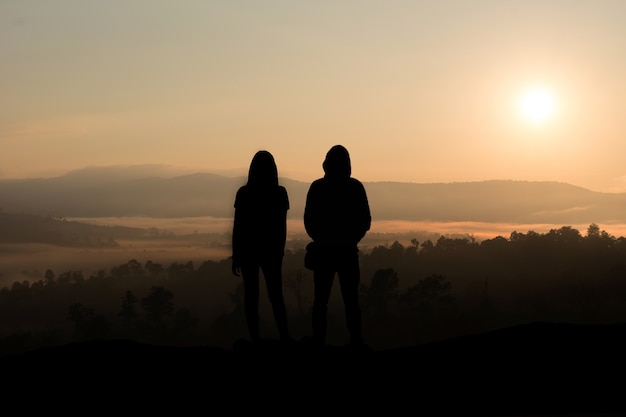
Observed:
{"x":533,"y":369}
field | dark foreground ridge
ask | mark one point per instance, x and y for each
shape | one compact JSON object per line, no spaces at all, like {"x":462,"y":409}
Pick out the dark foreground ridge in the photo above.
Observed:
{"x":533,"y":369}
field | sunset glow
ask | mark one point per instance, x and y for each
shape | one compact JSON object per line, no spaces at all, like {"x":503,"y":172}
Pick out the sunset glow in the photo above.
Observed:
{"x":416,"y":91}
{"x":302,"y":185}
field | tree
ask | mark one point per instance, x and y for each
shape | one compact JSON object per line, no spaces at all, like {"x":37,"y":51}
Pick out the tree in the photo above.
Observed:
{"x":180,"y":271}
{"x":155,"y":270}
{"x":427,"y":247}
{"x":430,"y":292}
{"x":382,"y":291}
{"x":413,"y":247}
{"x":71,"y":277}
{"x":131,"y":269}
{"x":78,"y":313}
{"x":128,"y":313}
{"x":565,"y":236}
{"x":294,"y":282}
{"x":49,"y":277}
{"x":593,"y":231}
{"x":87,"y":324}
{"x":184,"y":324}
{"x":158,"y":305}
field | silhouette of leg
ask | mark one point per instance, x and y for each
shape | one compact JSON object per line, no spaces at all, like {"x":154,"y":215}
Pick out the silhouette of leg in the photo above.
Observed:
{"x":323,"y":283}
{"x":250,"y":277}
{"x":349,"y":279}
{"x":274,"y":283}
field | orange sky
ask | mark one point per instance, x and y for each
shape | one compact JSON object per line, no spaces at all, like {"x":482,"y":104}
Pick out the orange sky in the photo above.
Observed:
{"x":421,"y":91}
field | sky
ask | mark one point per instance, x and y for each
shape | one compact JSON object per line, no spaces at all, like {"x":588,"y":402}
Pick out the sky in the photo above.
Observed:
{"x":418,"y":91}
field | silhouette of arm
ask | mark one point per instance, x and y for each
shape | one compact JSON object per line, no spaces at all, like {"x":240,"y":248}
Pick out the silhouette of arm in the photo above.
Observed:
{"x":363,"y":216}
{"x":281,"y":227}
{"x":312,"y":223}
{"x":237,"y":238}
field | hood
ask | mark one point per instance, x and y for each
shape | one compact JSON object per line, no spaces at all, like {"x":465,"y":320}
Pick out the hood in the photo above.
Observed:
{"x":337,"y":162}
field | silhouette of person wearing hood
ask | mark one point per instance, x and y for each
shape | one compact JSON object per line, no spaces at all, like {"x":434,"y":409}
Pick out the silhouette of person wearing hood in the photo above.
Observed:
{"x":258,"y":241}
{"x":336,"y":217}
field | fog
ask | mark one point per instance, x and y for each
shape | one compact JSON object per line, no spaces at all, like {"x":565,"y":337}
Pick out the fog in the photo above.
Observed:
{"x":21,"y":262}
{"x":184,"y":240}
{"x":295,"y":227}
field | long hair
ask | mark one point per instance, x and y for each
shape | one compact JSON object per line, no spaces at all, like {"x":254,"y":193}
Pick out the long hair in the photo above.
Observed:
{"x":263,"y":171}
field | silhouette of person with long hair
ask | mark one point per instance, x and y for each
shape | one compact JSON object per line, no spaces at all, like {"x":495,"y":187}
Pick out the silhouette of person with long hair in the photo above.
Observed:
{"x":336,"y":217}
{"x":258,"y":241}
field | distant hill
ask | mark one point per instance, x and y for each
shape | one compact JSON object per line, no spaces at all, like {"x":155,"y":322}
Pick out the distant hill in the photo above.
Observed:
{"x":114,"y":191}
{"x":31,"y":228}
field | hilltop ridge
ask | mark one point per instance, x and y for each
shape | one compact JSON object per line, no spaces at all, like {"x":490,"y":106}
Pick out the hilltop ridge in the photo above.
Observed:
{"x":120,"y":192}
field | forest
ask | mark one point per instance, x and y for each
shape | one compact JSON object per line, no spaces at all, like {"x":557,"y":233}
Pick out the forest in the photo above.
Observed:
{"x":411,"y":294}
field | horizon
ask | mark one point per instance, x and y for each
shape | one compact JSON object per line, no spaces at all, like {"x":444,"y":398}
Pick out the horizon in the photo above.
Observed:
{"x":169,"y":171}
{"x":423,"y":92}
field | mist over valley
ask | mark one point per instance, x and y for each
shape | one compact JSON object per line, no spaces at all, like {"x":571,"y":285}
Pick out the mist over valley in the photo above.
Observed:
{"x":97,"y":217}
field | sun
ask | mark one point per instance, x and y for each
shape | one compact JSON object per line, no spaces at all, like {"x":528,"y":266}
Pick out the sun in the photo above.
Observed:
{"x":537,"y":105}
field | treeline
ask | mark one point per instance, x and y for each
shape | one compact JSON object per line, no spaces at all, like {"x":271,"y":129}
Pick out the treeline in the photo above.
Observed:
{"x":410,"y":294}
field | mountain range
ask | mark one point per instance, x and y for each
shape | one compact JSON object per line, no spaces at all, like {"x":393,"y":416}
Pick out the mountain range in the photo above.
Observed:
{"x":120,"y":192}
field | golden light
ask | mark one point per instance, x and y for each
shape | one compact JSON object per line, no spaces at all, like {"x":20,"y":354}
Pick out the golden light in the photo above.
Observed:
{"x":537,"y":105}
